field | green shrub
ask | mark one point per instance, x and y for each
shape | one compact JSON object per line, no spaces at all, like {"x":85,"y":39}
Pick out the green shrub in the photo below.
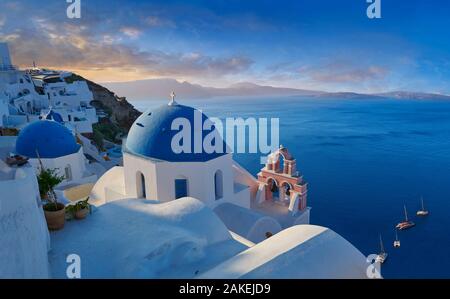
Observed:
{"x":83,"y":204}
{"x":47,"y":180}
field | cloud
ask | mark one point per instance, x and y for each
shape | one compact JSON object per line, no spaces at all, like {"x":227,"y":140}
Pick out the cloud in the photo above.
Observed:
{"x":10,"y":37}
{"x":131,"y":32}
{"x":13,"y":5}
{"x":115,"y":48}
{"x":67,"y":46}
{"x":214,"y":44}
{"x":156,"y":21}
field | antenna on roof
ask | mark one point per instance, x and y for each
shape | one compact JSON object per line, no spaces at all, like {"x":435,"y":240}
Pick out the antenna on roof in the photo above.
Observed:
{"x":172,"y":99}
{"x":39,"y":159}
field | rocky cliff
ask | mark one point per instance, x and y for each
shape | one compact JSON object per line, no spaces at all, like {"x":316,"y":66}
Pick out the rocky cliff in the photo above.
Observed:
{"x":121,"y":114}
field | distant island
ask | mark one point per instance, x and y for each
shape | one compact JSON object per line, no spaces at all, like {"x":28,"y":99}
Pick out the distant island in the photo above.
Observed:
{"x":158,"y":88}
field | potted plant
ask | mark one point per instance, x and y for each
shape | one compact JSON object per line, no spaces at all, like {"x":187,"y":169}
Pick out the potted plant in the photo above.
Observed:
{"x":80,"y":209}
{"x":53,"y":210}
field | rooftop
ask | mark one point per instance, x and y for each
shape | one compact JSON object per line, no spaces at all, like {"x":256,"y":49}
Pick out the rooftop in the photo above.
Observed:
{"x":186,"y":239}
{"x":180,"y":238}
{"x":301,"y":251}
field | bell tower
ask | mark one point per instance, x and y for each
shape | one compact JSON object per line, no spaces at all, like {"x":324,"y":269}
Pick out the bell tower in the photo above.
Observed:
{"x":282,"y":182}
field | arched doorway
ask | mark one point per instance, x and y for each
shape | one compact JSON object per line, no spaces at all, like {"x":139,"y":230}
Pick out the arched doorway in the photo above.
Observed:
{"x":285,"y":193}
{"x":218,"y":184}
{"x":68,"y":172}
{"x":140,"y":185}
{"x":273,"y":189}
{"x":181,"y":187}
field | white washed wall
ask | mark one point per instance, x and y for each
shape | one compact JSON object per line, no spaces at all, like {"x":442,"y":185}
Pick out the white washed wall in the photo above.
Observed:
{"x":24,"y":238}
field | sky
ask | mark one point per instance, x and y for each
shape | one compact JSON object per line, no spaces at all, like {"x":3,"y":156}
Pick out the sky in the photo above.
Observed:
{"x":308,"y":44}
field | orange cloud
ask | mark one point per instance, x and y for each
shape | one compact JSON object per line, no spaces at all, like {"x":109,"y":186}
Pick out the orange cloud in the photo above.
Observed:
{"x":105,"y":57}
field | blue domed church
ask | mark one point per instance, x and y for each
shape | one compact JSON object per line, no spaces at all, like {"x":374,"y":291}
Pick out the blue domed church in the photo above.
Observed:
{"x":52,"y":144}
{"x":174,"y":152}
{"x":166,"y":158}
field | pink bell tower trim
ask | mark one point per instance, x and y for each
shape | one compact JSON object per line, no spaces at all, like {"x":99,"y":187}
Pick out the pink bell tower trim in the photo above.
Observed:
{"x":282,"y":182}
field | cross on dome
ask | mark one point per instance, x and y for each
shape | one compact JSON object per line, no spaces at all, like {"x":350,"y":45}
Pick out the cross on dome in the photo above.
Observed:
{"x":172,"y":99}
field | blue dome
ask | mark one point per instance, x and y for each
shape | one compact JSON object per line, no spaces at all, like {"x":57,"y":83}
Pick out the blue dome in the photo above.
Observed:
{"x":151,"y":135}
{"x":52,"y":115}
{"x":49,"y":138}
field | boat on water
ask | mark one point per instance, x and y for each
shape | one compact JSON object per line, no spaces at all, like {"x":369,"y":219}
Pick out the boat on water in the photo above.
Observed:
{"x":422,"y":212}
{"x":382,"y":256}
{"x":405,"y":224}
{"x":397,"y":241}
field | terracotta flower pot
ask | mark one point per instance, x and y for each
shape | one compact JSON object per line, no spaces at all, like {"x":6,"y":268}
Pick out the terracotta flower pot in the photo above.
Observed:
{"x":55,"y":219}
{"x":81,"y":214}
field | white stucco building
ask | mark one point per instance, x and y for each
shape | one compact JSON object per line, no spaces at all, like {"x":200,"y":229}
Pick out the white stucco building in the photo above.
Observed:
{"x":29,"y":93}
{"x":155,"y":169}
{"x":24,"y":238}
{"x":4,"y":111}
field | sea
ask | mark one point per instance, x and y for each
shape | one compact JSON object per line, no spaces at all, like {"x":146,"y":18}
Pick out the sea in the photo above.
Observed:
{"x":364,"y":159}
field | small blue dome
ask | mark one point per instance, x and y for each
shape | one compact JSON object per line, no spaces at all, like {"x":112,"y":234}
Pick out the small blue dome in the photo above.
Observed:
{"x":151,"y":135}
{"x":49,"y":138}
{"x":52,"y":115}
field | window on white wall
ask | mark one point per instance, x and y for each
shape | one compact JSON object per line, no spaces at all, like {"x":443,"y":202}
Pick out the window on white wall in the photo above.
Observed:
{"x":68,"y":173}
{"x":218,"y":184}
{"x":140,"y":184}
{"x":181,"y":188}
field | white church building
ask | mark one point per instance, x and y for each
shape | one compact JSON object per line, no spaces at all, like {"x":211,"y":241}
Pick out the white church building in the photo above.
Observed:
{"x":154,"y":171}
{"x":52,"y":144}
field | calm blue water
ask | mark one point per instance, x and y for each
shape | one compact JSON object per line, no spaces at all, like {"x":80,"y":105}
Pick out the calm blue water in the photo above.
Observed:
{"x":363,"y":160}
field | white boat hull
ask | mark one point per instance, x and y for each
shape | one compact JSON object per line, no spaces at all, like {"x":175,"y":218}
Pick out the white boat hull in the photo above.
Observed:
{"x":422,"y":213}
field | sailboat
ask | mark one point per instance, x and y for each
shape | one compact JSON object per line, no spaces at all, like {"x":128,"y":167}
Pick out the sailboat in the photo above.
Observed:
{"x":405,"y":224}
{"x":422,"y":212}
{"x":397,"y":241}
{"x":382,"y":256}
